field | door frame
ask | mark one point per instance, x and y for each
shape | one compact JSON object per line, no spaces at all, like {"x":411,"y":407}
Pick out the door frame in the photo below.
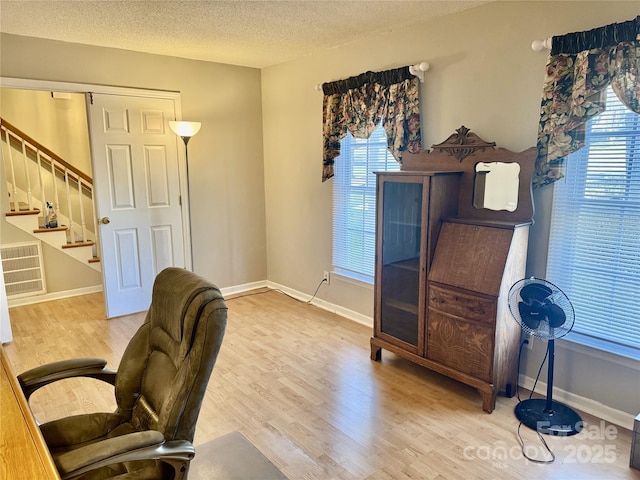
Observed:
{"x":84,"y":88}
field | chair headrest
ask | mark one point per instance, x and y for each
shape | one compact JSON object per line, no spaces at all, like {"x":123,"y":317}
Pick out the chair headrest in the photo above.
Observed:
{"x":180,"y":293}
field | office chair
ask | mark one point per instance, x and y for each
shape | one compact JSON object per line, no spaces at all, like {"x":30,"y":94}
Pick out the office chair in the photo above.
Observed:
{"x":159,"y":388}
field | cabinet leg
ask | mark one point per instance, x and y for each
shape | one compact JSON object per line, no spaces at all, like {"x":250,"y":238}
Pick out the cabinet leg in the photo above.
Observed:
{"x":488,"y":400}
{"x":376,"y":353}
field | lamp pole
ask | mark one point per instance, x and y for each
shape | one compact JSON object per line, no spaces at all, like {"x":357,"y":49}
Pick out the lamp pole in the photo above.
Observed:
{"x":186,"y":130}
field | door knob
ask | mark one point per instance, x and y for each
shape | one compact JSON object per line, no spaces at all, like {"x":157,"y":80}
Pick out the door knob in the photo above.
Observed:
{"x":105,"y":220}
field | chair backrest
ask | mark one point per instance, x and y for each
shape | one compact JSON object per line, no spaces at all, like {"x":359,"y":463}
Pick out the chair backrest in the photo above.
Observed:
{"x":165,"y":369}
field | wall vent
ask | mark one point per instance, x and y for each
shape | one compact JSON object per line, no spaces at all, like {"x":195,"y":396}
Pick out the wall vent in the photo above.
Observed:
{"x":22,"y":267}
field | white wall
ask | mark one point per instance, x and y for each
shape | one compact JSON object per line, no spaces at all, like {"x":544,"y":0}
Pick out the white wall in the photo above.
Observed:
{"x":483,"y":75}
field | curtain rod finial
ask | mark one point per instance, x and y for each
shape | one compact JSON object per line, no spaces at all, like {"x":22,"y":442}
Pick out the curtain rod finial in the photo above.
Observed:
{"x":418,"y":70}
{"x":538,"y":45}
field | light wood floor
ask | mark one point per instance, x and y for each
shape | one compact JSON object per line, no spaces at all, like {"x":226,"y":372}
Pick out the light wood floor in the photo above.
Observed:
{"x":298,"y":382}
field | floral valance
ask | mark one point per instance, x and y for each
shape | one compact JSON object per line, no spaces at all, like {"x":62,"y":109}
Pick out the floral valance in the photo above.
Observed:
{"x":580,"y":66}
{"x":358,"y":104}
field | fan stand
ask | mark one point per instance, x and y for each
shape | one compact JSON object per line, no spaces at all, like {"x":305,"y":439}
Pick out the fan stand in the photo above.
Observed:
{"x":546,"y":415}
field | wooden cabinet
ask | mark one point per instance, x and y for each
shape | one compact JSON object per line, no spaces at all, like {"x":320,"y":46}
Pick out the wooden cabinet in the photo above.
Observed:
{"x":444,"y":269}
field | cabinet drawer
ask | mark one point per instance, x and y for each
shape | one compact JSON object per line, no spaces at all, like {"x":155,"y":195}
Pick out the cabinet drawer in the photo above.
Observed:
{"x":462,"y":305}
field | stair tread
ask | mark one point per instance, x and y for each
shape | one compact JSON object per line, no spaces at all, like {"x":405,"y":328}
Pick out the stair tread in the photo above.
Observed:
{"x":78,"y":244}
{"x":13,"y":213}
{"x":94,"y":260}
{"x":56,"y":229}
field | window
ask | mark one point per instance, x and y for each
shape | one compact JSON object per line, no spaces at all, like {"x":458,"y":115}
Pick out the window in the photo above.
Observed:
{"x":594,"y":245}
{"x":354,"y":203}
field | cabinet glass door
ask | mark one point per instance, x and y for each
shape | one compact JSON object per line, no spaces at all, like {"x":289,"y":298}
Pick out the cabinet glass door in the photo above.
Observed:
{"x":400,"y":265}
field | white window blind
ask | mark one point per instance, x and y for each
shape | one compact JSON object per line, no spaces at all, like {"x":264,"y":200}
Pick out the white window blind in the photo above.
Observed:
{"x":594,"y":247}
{"x":354,"y":203}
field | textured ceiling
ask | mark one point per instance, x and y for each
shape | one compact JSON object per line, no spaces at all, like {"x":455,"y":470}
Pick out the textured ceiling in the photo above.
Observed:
{"x":238,"y":32}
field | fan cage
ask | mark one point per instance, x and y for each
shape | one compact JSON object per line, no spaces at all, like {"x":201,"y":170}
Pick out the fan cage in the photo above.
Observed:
{"x":557,"y":297}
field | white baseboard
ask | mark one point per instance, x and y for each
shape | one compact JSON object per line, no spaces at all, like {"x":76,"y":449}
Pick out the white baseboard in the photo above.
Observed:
{"x":337,"y":309}
{"x":47,"y":297}
{"x":344,"y":312}
{"x":18,"y":302}
{"x":597,"y":409}
{"x":243,"y":288}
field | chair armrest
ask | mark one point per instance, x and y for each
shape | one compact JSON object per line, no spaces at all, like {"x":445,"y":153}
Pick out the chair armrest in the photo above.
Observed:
{"x":38,"y":377}
{"x":147,"y":445}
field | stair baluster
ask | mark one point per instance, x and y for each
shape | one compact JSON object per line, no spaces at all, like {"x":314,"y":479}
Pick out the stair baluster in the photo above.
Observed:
{"x":27,"y":174}
{"x":23,"y":188}
{"x":56,"y":198}
{"x":42,"y":195}
{"x":72,"y":229}
{"x":14,"y":204}
{"x":83,"y":224}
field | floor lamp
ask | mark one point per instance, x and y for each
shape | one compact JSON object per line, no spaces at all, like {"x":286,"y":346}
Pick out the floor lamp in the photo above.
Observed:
{"x":186,"y":130}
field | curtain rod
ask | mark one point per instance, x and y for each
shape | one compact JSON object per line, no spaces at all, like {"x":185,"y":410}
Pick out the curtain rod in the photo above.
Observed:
{"x":418,"y":70}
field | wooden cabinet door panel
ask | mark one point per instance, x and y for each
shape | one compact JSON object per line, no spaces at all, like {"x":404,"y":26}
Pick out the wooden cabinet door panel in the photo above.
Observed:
{"x":463,"y":345}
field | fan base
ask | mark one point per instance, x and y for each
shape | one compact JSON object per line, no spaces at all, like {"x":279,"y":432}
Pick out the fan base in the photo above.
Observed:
{"x":560,"y":421}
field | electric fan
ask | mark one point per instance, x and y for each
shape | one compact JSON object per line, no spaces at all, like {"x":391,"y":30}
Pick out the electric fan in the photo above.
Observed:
{"x":544,"y":311}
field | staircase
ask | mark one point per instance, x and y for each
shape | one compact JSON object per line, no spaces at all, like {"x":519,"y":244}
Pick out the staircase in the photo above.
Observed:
{"x":36,"y":175}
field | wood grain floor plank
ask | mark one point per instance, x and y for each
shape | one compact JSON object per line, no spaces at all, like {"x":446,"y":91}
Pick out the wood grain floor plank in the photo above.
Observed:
{"x":298,"y":382}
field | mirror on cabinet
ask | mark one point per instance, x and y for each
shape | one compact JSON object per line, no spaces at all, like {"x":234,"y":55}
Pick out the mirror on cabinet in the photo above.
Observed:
{"x":496,"y":186}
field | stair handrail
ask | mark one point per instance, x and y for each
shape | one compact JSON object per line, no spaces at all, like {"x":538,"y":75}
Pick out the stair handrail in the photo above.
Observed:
{"x":56,"y":163}
{"x":34,"y":146}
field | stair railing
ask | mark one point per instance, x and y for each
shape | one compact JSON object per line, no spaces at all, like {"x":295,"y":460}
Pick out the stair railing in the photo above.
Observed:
{"x":50,"y":164}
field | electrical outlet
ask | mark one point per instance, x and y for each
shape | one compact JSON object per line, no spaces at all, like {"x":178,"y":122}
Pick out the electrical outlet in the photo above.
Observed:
{"x":326,"y":277}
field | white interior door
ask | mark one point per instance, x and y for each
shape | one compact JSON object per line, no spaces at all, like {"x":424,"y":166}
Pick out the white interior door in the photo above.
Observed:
{"x":135,"y":166}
